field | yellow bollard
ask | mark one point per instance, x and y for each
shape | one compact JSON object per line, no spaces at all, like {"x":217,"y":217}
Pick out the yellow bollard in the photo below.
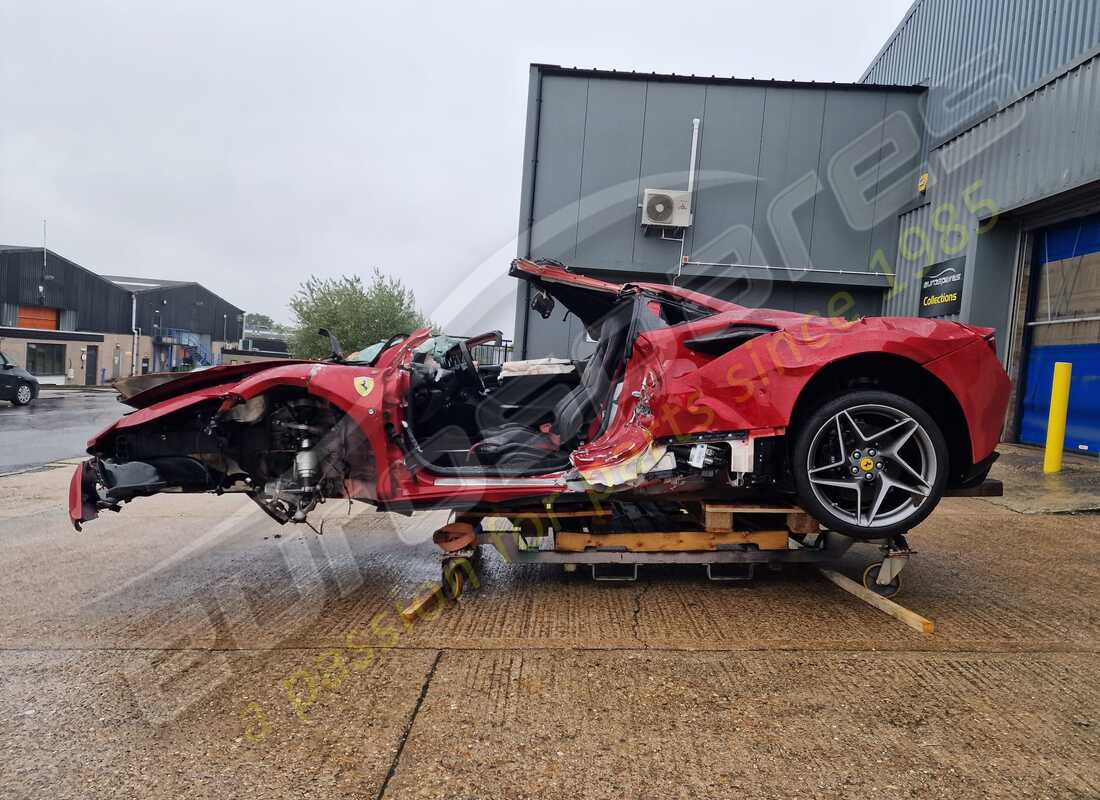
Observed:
{"x":1056,"y":422}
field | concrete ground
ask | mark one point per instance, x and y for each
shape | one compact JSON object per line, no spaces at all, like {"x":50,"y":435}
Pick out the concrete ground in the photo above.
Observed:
{"x":191,"y":647}
{"x":56,"y":425}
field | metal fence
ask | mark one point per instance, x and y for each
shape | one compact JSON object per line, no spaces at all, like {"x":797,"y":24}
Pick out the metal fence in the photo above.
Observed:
{"x":491,"y":354}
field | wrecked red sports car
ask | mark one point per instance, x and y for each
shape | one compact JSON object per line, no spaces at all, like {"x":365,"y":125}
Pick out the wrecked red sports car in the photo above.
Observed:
{"x":686,"y":397}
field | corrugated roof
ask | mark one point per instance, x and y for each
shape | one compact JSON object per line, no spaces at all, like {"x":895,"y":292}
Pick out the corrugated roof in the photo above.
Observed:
{"x":672,"y":77}
{"x":137,"y":284}
{"x":892,"y":38}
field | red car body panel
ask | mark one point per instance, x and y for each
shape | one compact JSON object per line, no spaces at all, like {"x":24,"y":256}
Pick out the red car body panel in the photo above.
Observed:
{"x":164,"y":408}
{"x":78,"y":511}
{"x":668,"y":390}
{"x":193,"y":381}
{"x":756,"y":385}
{"x":983,"y":402}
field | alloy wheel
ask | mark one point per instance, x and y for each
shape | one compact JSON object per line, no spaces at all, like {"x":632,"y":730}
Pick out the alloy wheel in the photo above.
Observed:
{"x":23,"y":394}
{"x":873,"y":465}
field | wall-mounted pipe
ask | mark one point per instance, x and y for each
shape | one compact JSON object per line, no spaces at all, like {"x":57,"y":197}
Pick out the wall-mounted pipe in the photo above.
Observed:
{"x":790,"y":269}
{"x":134,"y":332}
{"x":694,"y":151}
{"x":691,"y":195}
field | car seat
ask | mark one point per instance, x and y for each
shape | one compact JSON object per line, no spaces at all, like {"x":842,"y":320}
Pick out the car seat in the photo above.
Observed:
{"x":516,"y":444}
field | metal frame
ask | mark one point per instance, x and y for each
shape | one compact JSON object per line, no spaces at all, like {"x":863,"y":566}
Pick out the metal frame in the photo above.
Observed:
{"x":814,"y":549}
{"x":828,"y":546}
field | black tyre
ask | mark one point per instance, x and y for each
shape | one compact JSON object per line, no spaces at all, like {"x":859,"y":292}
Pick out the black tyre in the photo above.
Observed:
{"x":869,"y":464}
{"x":23,"y":394}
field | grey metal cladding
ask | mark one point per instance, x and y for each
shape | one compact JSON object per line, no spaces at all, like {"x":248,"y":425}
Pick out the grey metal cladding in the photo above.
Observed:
{"x":834,"y":242}
{"x":607,"y":216}
{"x":764,"y":192}
{"x":727,"y":183}
{"x":789,"y":149}
{"x":549,"y":337}
{"x":1014,"y":43}
{"x":1041,"y":146}
{"x":895,"y":181}
{"x":902,"y":299}
{"x":666,"y":149}
{"x":189,"y":307}
{"x":558,"y":179}
{"x":65,"y":285}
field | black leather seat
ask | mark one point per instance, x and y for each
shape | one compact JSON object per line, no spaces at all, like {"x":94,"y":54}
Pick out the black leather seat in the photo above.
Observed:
{"x":515,"y":444}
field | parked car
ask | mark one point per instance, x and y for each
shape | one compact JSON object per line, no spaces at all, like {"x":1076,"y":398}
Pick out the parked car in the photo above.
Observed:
{"x":687,"y":397}
{"x":16,"y":384}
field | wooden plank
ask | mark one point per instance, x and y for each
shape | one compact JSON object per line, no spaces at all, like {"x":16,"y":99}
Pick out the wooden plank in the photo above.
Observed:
{"x":422,"y":604}
{"x":900,"y":613}
{"x":671,"y":541}
{"x":750,"y":508}
{"x":721,"y":517}
{"x":801,"y":522}
{"x":715,"y":520}
{"x":474,"y":516}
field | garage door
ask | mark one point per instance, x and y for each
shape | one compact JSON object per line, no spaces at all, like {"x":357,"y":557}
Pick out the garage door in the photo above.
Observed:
{"x":43,"y":319}
{"x":1064,"y":325}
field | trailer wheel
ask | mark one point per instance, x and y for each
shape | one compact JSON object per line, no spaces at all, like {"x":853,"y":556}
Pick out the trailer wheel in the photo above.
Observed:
{"x":453,"y":585}
{"x":870,"y":578}
{"x":456,"y":571}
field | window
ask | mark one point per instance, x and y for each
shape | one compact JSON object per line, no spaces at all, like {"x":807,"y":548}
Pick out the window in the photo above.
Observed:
{"x":46,"y":359}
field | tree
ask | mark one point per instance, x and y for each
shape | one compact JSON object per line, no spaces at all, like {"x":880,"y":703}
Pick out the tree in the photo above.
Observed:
{"x":358,"y":314}
{"x":255,"y":321}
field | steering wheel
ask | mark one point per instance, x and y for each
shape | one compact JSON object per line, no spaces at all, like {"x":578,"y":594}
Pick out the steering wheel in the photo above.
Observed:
{"x":468,"y":362}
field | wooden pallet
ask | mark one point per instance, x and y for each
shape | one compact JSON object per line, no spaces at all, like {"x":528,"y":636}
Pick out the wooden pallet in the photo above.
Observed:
{"x":668,"y":541}
{"x":721,"y":517}
{"x":765,"y":526}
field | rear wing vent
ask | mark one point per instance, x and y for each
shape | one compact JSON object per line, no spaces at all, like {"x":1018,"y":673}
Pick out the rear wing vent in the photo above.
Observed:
{"x":722,"y":341}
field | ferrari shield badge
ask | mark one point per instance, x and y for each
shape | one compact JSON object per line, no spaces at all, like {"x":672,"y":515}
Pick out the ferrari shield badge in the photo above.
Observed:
{"x":363,"y":385}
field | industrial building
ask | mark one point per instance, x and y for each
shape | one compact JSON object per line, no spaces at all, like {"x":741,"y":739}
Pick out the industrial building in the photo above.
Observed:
{"x":68,"y":325}
{"x":257,"y":345}
{"x":959,"y":178}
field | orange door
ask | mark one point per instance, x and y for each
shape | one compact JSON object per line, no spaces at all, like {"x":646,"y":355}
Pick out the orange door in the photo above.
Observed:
{"x":44,"y":319}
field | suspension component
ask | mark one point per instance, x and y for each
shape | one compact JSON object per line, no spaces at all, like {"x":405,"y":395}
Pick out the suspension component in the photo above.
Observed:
{"x":306,"y":465}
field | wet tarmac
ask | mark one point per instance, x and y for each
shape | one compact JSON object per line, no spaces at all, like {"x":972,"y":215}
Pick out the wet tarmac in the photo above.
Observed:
{"x":191,"y":646}
{"x":55,"y":426}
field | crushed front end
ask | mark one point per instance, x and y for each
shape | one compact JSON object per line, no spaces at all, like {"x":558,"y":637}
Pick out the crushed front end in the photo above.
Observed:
{"x":285,"y":447}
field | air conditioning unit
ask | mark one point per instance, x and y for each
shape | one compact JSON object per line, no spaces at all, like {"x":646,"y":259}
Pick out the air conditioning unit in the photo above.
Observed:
{"x":666,"y":208}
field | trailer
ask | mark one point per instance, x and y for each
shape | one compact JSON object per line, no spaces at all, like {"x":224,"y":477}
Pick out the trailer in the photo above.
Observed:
{"x":614,"y":541}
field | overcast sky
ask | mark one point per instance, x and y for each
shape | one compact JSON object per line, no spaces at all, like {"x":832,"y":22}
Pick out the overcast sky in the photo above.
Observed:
{"x":246,"y":145}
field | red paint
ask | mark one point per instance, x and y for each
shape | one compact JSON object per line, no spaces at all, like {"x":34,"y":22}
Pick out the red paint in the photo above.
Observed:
{"x":751,"y":388}
{"x":981,"y":390}
{"x":81,"y":509}
{"x":192,"y":381}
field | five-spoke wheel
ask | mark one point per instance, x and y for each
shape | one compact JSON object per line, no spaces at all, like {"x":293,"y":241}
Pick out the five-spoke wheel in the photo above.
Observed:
{"x":870,"y":464}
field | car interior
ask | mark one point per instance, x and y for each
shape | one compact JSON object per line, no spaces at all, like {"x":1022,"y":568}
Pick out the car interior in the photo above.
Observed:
{"x":526,"y":417}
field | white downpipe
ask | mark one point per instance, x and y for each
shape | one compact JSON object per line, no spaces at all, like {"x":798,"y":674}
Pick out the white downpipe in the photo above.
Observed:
{"x":694,"y":151}
{"x":691,"y":195}
{"x":134,"y":331}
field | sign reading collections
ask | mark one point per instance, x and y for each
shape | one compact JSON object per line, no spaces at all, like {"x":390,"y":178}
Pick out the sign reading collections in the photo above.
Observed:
{"x":941,"y":288}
